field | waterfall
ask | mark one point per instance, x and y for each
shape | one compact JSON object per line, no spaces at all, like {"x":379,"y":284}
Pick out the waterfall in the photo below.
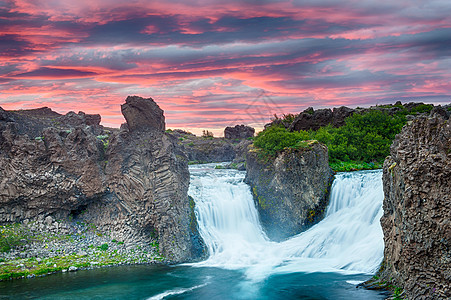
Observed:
{"x":348,"y":240}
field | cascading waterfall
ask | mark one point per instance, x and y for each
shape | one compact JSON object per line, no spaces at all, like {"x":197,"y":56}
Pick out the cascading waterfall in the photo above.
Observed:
{"x":348,"y":240}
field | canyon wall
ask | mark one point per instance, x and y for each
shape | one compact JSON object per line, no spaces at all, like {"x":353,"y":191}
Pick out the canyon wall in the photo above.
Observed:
{"x":131,"y":183}
{"x":417,"y":209}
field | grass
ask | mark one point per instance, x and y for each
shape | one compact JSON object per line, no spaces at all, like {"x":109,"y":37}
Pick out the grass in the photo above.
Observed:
{"x":355,"y":166}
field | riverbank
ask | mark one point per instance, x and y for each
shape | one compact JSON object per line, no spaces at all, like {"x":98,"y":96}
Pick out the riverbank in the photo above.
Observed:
{"x":36,"y":249}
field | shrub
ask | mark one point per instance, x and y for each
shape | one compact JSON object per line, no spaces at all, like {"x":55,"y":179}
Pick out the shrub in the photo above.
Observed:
{"x":207,"y":134}
{"x":275,"y":139}
{"x":363,"y":142}
{"x":103,"y":247}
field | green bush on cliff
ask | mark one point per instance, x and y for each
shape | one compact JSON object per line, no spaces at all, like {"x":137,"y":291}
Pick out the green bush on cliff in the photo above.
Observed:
{"x":362,"y":143}
{"x":275,"y":139}
{"x":365,"y":137}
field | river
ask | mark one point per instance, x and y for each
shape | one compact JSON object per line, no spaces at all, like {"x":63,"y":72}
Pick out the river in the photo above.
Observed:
{"x":325,"y":262}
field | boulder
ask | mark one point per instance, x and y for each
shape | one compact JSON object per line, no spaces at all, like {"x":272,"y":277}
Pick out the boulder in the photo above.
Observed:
{"x":144,"y":114}
{"x":239,"y":132}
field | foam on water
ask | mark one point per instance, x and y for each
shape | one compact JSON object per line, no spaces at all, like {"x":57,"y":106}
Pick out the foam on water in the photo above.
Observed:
{"x":349,"y":239}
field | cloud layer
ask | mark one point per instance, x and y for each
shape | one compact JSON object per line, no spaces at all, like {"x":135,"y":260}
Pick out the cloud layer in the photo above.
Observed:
{"x":211,"y":64}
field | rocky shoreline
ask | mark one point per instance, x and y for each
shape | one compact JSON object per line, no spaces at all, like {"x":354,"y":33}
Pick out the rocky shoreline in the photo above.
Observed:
{"x":44,"y":248}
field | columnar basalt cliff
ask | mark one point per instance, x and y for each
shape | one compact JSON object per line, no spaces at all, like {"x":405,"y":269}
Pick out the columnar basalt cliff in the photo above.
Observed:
{"x":131,"y":184}
{"x":290,"y":190}
{"x":417,"y":209}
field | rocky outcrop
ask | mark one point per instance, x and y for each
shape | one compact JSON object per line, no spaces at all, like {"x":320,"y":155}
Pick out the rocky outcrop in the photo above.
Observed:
{"x":202,"y":149}
{"x":290,"y":190}
{"x":239,"y":132}
{"x":314,"y":119}
{"x":311,"y":119}
{"x":417,"y":210}
{"x":142,"y":114}
{"x":130,"y":184}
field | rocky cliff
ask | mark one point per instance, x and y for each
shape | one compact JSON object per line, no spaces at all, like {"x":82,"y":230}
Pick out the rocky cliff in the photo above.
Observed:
{"x":417,"y":209}
{"x":208,"y":149}
{"x":291,"y":189}
{"x":131,"y":184}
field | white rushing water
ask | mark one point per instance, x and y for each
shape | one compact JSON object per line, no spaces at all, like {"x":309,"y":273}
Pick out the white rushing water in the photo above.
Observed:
{"x":348,"y":240}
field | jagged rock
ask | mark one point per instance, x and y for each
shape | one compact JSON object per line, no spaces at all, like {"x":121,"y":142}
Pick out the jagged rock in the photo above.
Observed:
{"x":132,"y":185}
{"x":290,"y":190}
{"x":81,"y":118}
{"x":308,"y":120}
{"x":239,"y":132}
{"x":417,"y":206}
{"x":142,"y":113}
{"x":340,"y":114}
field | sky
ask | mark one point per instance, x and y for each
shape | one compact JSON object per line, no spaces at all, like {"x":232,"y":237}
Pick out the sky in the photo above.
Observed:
{"x":211,"y":64}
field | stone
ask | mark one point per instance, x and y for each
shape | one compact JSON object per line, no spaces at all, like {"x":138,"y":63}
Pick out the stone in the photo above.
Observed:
{"x":290,"y":190}
{"x":143,"y":114}
{"x":72,"y":269}
{"x":308,"y":120}
{"x":239,"y":132}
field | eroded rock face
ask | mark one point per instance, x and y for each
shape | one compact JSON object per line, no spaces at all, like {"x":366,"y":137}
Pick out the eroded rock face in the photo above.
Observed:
{"x":239,"y":132}
{"x":291,"y":190}
{"x":142,"y":114}
{"x":417,"y":210}
{"x":130,"y":184}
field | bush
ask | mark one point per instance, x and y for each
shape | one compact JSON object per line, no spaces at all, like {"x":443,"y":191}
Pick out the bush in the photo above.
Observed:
{"x":362,"y":143}
{"x":103,"y":247}
{"x":207,"y":134}
{"x":275,"y":139}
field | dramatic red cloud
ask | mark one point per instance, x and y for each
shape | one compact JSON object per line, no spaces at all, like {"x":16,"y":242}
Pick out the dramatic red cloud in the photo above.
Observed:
{"x":211,"y":64}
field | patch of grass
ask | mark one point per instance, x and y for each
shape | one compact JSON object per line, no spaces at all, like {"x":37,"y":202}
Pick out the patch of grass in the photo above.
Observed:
{"x":103,"y":247}
{"x":354,"y":166}
{"x":12,"y":236}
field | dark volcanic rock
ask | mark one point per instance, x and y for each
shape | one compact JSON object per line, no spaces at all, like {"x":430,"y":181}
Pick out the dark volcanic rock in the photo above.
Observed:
{"x":132,"y":185}
{"x":81,"y":118}
{"x":340,"y":114}
{"x":142,"y":114}
{"x":291,"y":190}
{"x":239,"y":132}
{"x":312,"y":120}
{"x":417,"y":206}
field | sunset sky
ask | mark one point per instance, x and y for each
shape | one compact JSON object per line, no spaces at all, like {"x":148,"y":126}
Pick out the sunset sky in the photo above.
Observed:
{"x":211,"y":64}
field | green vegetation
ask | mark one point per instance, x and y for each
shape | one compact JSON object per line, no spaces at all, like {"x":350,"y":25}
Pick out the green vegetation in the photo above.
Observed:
{"x":362,"y":143}
{"x":207,"y":134}
{"x":105,"y":140}
{"x":277,"y":138}
{"x":12,"y":236}
{"x":103,"y":247}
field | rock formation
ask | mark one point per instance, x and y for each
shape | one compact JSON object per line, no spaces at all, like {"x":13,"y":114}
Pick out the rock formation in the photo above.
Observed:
{"x":131,"y":184}
{"x":290,"y":190}
{"x":239,"y":132}
{"x":417,"y":209}
{"x":142,"y":114}
{"x":212,"y":149}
